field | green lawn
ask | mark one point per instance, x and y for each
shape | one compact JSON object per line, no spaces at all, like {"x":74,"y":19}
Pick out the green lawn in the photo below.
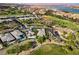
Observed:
{"x":54,"y":50}
{"x":49,"y":50}
{"x":64,"y":23}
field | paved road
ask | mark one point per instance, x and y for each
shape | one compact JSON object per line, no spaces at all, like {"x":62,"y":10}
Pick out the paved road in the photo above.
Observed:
{"x":19,"y":16}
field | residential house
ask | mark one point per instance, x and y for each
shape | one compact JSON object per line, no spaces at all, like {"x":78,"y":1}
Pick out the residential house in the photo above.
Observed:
{"x":49,"y":32}
{"x":7,"y":38}
{"x":18,"y":35}
{"x":30,"y":35}
{"x":41,"y":32}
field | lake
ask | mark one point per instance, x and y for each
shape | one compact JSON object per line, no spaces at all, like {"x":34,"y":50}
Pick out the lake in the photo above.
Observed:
{"x":64,"y":8}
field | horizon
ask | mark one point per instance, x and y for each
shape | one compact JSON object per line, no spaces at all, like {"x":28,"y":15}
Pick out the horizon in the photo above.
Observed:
{"x":41,"y":3}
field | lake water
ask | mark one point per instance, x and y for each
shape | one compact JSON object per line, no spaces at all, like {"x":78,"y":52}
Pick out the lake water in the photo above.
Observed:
{"x":63,"y":8}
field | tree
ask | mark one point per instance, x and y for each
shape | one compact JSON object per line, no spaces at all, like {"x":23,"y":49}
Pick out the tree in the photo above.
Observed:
{"x":71,"y":39}
{"x":35,"y":30}
{"x":41,"y":39}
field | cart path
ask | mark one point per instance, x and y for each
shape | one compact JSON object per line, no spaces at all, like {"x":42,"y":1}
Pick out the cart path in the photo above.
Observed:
{"x":30,"y":50}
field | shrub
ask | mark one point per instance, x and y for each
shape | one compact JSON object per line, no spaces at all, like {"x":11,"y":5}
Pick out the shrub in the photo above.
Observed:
{"x":41,"y":39}
{"x":13,"y":49}
{"x":17,"y":48}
